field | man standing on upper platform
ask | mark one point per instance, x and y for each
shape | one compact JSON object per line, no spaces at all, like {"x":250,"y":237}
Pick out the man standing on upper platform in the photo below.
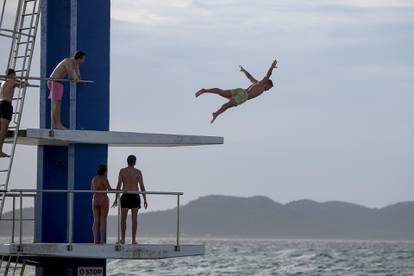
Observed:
{"x":67,"y":67}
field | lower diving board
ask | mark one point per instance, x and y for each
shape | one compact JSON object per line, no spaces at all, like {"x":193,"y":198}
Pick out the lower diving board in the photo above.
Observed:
{"x":101,"y":251}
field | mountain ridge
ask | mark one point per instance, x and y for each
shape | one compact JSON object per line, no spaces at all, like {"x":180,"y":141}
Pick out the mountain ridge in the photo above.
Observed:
{"x":261,"y":217}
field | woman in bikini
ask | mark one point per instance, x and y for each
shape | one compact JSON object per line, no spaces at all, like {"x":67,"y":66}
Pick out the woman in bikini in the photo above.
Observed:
{"x":100,"y":203}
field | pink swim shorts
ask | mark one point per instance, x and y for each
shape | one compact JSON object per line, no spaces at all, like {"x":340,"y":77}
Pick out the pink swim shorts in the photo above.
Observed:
{"x":57,"y":90}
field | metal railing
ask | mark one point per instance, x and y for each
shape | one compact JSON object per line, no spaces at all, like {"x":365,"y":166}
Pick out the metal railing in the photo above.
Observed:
{"x":33,"y":193}
{"x":17,"y":119}
{"x":51,"y":133}
{"x":3,"y":77}
{"x":13,"y":219}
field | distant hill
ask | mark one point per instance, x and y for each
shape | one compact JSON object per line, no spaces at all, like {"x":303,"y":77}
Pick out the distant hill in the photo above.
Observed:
{"x":261,"y":217}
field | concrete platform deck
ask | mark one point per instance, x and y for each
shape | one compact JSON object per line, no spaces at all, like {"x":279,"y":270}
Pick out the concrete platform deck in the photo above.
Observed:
{"x":37,"y":137}
{"x":106,"y":251}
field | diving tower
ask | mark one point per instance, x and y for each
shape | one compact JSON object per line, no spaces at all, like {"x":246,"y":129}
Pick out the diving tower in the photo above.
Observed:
{"x":67,"y":159}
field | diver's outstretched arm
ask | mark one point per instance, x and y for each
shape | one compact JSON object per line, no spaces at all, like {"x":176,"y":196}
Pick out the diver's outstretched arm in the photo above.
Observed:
{"x":273,"y":66}
{"x":250,"y":77}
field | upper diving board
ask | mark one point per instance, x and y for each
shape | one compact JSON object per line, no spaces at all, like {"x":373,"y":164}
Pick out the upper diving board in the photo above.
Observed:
{"x":42,"y":137}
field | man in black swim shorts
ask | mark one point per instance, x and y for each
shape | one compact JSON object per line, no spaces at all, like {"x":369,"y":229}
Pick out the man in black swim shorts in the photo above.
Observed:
{"x":131,"y":180}
{"x":6,"y":108}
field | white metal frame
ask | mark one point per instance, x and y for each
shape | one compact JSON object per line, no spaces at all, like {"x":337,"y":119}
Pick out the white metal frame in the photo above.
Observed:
{"x":21,"y":193}
{"x":22,"y":36}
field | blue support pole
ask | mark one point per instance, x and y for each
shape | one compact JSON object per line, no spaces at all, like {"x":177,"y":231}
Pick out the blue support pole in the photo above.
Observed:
{"x":67,"y":26}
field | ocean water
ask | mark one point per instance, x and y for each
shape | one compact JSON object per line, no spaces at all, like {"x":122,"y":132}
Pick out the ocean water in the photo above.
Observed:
{"x":277,"y":257}
{"x":281,"y":257}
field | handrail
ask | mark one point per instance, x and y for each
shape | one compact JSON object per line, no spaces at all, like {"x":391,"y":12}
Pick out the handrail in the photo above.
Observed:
{"x":21,"y":193}
{"x":3,"y":77}
{"x":114,"y":191}
{"x":51,"y":133}
{"x":8,"y":194}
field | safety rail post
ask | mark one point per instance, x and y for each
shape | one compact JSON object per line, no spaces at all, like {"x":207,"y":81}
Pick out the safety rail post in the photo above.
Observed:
{"x":177,"y":246}
{"x":52,"y":107}
{"x":20,"y":247}
{"x":14,"y":218}
{"x":34,"y":217}
{"x":118,"y":244}
{"x":70,"y":216}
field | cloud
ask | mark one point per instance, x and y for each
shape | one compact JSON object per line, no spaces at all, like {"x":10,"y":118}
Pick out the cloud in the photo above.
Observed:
{"x":377,"y":3}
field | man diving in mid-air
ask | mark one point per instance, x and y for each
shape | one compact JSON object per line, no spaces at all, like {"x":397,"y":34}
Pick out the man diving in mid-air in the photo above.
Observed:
{"x":239,"y":95}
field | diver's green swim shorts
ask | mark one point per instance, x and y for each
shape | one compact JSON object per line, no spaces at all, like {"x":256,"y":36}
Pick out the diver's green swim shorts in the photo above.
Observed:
{"x":239,"y":95}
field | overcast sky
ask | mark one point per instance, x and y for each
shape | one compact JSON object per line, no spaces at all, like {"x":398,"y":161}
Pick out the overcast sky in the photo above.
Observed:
{"x":338,"y":125}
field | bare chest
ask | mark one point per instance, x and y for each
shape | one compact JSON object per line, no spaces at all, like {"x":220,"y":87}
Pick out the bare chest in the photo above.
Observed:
{"x":255,"y":90}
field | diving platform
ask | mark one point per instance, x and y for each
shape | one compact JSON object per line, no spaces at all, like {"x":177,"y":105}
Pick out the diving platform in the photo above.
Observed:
{"x":40,"y":251}
{"x":44,"y":137}
{"x":101,"y":251}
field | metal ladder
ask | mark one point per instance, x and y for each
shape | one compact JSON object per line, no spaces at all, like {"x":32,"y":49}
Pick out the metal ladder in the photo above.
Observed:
{"x":23,"y":38}
{"x":12,"y":265}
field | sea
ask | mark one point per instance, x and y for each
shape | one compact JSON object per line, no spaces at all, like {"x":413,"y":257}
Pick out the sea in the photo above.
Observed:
{"x":279,"y":257}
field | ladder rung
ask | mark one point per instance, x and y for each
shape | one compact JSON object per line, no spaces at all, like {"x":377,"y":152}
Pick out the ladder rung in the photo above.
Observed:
{"x":14,"y":99}
{"x":16,"y":112}
{"x":27,"y":28}
{"x":9,"y":36}
{"x":20,"y":70}
{"x":22,"y":56}
{"x":25,"y":42}
{"x":28,"y":14}
{"x":27,"y":35}
{"x":27,"y":1}
{"x":3,"y":171}
{"x":17,"y":33}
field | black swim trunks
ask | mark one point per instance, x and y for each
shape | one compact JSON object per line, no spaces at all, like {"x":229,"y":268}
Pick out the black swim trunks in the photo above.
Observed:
{"x":130,"y":201}
{"x":6,"y":110}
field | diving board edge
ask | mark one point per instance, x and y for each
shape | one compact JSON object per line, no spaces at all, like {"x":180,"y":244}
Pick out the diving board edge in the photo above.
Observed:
{"x":39,"y":137}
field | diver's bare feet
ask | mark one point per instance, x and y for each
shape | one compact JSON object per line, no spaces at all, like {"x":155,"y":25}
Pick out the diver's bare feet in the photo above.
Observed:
{"x":134,"y":242}
{"x":214,"y":118}
{"x":58,"y":126}
{"x":122,"y":242}
{"x":199,"y":92}
{"x":61,"y":127}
